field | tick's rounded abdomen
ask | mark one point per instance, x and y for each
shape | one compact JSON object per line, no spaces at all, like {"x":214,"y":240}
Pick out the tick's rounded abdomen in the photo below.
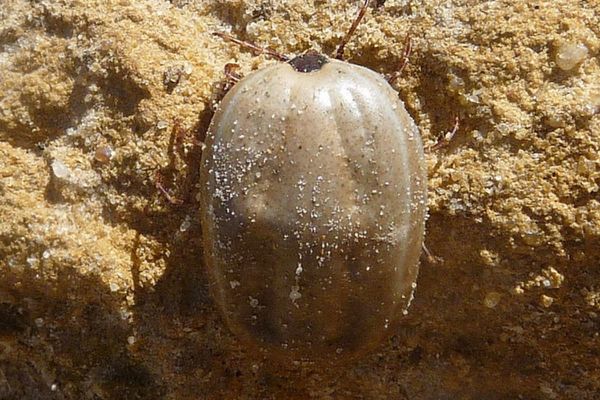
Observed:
{"x":313,"y":209}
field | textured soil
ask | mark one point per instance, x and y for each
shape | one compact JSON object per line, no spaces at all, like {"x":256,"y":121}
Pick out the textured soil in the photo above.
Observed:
{"x":103,"y":294}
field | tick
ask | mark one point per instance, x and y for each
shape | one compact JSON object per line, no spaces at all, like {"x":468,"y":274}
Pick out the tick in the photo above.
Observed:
{"x":313,"y":206}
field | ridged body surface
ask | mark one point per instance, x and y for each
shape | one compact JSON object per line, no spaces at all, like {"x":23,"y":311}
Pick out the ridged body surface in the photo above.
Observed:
{"x":313,"y":208}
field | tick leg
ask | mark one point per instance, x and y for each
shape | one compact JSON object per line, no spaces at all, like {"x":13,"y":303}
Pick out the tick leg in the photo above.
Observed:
{"x":230,"y":73}
{"x":224,"y":86}
{"x":339,"y":54}
{"x":183,"y":136}
{"x":256,"y":49}
{"x":429,"y":256}
{"x":447,"y":138}
{"x":179,"y":152}
{"x":158,"y":182}
{"x":403,"y":61}
{"x":231,"y":78}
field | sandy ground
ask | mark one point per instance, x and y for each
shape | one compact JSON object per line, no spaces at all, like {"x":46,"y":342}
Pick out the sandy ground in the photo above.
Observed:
{"x":103,"y":294}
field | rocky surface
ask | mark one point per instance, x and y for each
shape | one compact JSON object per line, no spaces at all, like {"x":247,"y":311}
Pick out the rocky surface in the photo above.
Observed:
{"x":102,"y":287}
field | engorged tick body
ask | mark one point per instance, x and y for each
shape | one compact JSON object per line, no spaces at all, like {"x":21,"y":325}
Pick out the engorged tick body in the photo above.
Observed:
{"x":313,"y":208}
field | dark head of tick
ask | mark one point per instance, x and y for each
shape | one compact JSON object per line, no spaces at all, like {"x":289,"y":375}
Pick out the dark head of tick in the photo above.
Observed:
{"x":309,"y":61}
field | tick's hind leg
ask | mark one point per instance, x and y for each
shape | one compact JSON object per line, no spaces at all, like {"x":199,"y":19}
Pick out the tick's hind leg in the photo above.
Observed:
{"x":429,"y":257}
{"x":184,"y":151}
{"x":159,"y":182}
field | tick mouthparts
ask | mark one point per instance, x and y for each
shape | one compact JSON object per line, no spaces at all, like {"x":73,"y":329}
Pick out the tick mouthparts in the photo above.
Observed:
{"x":310,"y":61}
